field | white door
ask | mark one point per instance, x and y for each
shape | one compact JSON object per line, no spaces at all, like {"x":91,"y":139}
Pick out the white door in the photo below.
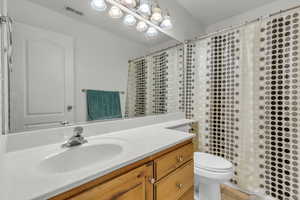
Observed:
{"x":41,"y":79}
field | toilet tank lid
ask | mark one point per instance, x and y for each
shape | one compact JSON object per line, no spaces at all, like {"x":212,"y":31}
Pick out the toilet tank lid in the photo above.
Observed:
{"x":209,"y":161}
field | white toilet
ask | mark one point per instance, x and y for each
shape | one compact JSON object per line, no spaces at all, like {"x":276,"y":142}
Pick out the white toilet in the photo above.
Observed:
{"x":210,"y":172}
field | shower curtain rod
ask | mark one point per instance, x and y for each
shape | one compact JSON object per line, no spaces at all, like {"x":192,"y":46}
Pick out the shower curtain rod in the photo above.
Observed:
{"x":241,"y":25}
{"x":155,"y":52}
{"x":218,"y":31}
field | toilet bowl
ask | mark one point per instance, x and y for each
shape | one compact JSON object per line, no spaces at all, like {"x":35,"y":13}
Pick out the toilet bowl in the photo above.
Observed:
{"x":210,"y":172}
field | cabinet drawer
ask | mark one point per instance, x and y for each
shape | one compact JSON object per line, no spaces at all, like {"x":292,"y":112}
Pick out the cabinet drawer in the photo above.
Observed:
{"x":173,"y":160}
{"x":174,"y":186}
{"x":189,"y":195}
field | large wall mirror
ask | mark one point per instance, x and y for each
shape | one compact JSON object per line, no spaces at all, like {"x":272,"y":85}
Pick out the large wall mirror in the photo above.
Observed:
{"x":73,"y":64}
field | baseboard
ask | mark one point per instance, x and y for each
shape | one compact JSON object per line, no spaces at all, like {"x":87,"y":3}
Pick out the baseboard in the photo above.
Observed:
{"x":253,"y":196}
{"x":229,"y":193}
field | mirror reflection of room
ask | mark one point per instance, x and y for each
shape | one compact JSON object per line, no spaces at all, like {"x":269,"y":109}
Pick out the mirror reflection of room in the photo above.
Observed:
{"x":91,"y":66}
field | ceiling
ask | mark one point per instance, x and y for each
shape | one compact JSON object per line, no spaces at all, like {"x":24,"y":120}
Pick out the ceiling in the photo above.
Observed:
{"x":208,"y":12}
{"x":101,"y":20}
{"x":204,"y":12}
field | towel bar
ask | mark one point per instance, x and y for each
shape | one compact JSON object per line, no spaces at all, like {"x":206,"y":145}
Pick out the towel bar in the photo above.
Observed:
{"x":121,"y":92}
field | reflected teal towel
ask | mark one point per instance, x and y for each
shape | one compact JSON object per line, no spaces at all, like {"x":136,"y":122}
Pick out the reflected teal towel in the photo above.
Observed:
{"x":103,"y":105}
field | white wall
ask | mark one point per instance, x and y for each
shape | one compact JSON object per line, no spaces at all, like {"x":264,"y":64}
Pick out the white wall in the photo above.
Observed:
{"x":101,"y":58}
{"x":3,"y":176}
{"x":2,"y":138}
{"x":185,"y":25}
{"x":2,"y":12}
{"x":253,"y":14}
{"x":163,"y":45}
{"x":2,"y":168}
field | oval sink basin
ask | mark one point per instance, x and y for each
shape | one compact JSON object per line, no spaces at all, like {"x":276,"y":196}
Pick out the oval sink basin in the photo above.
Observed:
{"x":79,"y":157}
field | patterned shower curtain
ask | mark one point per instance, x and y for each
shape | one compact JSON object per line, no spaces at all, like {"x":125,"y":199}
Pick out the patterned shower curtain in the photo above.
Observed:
{"x":156,"y":83}
{"x":243,"y":88}
{"x":277,"y":110}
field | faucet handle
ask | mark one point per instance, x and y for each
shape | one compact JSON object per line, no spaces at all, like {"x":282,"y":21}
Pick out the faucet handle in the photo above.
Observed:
{"x":78,"y":131}
{"x":77,"y":139}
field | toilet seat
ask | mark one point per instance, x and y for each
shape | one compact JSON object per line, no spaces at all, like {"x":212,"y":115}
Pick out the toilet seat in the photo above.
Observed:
{"x":208,"y":176}
{"x":212,"y":163}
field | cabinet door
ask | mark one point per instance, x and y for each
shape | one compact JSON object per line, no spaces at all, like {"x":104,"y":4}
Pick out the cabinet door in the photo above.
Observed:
{"x":133,"y":185}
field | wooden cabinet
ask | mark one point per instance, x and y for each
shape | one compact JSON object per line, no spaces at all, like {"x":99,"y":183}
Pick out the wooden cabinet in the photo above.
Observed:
{"x":176,"y":184}
{"x":189,"y":195}
{"x":171,"y":161}
{"x":133,"y":185}
{"x":167,"y":175}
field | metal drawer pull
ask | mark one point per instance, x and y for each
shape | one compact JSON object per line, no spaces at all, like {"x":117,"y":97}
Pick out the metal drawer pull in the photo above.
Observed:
{"x":180,"y":159}
{"x":65,"y":123}
{"x":179,"y":185}
{"x":152,"y":180}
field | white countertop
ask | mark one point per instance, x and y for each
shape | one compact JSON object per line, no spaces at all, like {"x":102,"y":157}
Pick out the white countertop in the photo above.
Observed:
{"x":26,"y":181}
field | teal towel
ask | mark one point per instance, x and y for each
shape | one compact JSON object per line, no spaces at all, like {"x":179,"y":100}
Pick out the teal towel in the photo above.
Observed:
{"x":103,"y":105}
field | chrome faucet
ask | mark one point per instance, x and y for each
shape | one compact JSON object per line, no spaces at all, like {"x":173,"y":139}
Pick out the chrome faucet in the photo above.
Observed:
{"x":76,"y":140}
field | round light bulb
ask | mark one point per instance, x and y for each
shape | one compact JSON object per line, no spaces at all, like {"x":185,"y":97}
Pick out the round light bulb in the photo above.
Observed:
{"x":156,"y":16}
{"x":166,"y":23}
{"x":151,"y":32}
{"x":129,"y":3}
{"x":115,"y":12}
{"x":141,"y":26}
{"x":129,"y":20}
{"x":98,"y":5}
{"x":145,"y":9}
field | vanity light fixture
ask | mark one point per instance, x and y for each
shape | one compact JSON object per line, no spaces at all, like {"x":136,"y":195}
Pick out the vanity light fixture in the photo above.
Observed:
{"x":141,"y":26}
{"x":129,"y":20}
{"x":147,"y":12}
{"x":145,"y":7}
{"x":166,"y":23}
{"x":151,"y":32}
{"x":156,"y":16}
{"x":115,"y":12}
{"x":129,"y":3}
{"x":99,"y":5}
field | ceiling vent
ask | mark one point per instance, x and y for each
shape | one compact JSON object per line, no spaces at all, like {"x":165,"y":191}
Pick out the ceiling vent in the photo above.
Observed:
{"x":72,"y":10}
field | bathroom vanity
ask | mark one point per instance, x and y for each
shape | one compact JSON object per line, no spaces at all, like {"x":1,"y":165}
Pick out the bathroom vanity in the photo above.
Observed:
{"x":165,"y":175}
{"x":123,"y":160}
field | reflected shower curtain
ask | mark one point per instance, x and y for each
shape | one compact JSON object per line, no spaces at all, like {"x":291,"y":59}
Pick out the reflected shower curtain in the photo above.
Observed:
{"x":156,"y":83}
{"x":243,"y":87}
